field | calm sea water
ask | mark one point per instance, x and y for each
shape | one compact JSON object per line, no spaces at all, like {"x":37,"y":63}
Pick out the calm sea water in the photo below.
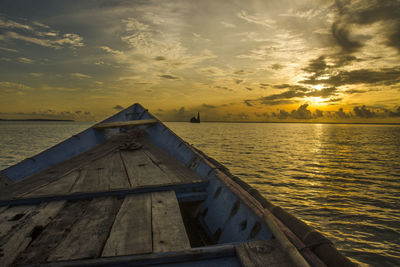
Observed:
{"x":343,"y":180}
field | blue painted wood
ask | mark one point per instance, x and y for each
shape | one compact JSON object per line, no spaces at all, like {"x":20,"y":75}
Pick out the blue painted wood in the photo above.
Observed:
{"x":184,"y":192}
{"x":203,"y":255}
{"x":224,"y":223}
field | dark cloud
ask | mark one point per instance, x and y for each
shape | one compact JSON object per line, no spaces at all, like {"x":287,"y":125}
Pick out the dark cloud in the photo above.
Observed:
{"x":239,"y":72}
{"x":283,"y":114}
{"x":395,"y":113}
{"x":317,"y":66}
{"x":318,"y":113}
{"x":248,"y":103}
{"x":181,"y":111}
{"x":87,"y":113}
{"x":223,"y":87}
{"x":238,"y":81}
{"x":342,"y":36}
{"x":171,"y":77}
{"x":249,"y":88}
{"x":208,"y":106}
{"x":341,"y":114}
{"x":78,"y":112}
{"x":301,"y":113}
{"x":160,"y":58}
{"x":386,"y":76}
{"x":277,"y":66}
{"x":364,"y":112}
{"x":118,"y":107}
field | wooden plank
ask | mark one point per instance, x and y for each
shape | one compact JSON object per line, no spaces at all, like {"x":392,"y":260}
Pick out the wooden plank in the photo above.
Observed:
{"x":195,"y":254}
{"x":141,"y":169}
{"x":262,"y":253}
{"x":181,"y":189}
{"x":21,"y":237}
{"x":117,"y":176}
{"x":88,"y":235}
{"x":13,"y":218}
{"x":103,"y":174}
{"x":169,"y":232}
{"x":119,"y":124}
{"x":61,"y":186}
{"x":4,"y":180}
{"x":131,"y":232}
{"x":39,"y":250}
{"x":172,"y":167}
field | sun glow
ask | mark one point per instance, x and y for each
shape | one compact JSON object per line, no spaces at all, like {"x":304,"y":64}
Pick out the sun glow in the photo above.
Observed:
{"x":318,"y":87}
{"x":317,"y":101}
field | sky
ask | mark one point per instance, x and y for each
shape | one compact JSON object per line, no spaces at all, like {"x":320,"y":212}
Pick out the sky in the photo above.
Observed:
{"x":231,"y":60}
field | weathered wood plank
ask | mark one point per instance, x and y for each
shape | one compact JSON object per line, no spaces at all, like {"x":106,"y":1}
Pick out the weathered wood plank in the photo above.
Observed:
{"x":141,"y":169}
{"x":103,"y":174}
{"x":39,"y":250}
{"x":4,"y":180}
{"x":262,"y":253}
{"x":173,"y":168}
{"x":15,"y":243}
{"x":60,"y":186}
{"x":131,"y":232}
{"x":117,"y":176}
{"x":13,"y":218}
{"x":169,"y":232}
{"x":118,"y":124}
{"x":89,"y":234}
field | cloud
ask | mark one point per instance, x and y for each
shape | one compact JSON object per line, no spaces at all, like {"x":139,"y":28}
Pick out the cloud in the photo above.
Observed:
{"x":37,"y":33}
{"x":118,"y":107}
{"x":341,"y":114}
{"x":8,"y":49}
{"x":36,"y":74}
{"x":387,"y":76}
{"x":25,"y":60}
{"x":11,"y":87}
{"x":277,"y":66}
{"x":208,"y":106}
{"x":227,"y":24}
{"x":170,"y":77}
{"x":160,"y":58}
{"x":266,"y":22}
{"x":80,"y":75}
{"x":301,"y":113}
{"x":364,"y":112}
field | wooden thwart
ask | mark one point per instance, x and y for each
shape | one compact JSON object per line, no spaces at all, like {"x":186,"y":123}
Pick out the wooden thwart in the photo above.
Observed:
{"x":118,"y":124}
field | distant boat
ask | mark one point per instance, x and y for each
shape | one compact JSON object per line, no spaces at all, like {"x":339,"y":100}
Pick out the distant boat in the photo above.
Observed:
{"x":130,"y":192}
{"x":194,"y":120}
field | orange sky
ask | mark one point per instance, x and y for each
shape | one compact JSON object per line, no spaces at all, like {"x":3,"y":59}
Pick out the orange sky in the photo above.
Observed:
{"x":274,"y":60}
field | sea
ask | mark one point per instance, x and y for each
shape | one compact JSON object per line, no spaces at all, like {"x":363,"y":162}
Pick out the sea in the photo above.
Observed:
{"x":342,"y":179}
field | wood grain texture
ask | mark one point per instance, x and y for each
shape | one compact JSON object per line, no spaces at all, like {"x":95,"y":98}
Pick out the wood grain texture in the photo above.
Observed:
{"x":60,"y":186}
{"x":169,"y":232}
{"x":172,"y":167}
{"x":39,"y":250}
{"x":21,"y":236}
{"x":262,"y":253}
{"x":131,"y":232}
{"x":4,"y":180}
{"x":88,"y":235}
{"x":141,"y":169}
